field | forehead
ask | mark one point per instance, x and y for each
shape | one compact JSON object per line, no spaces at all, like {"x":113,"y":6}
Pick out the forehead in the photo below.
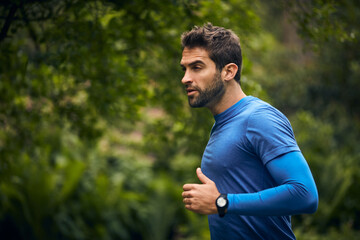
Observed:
{"x":190,"y":55}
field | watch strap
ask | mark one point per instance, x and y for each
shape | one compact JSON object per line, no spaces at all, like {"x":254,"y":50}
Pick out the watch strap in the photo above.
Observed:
{"x":222,"y":210}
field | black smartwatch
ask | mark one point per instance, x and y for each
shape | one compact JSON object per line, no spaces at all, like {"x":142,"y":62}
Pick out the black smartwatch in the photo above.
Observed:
{"x":222,"y":204}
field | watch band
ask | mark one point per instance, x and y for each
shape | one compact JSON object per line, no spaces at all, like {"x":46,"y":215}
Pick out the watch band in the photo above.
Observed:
{"x":222,"y":204}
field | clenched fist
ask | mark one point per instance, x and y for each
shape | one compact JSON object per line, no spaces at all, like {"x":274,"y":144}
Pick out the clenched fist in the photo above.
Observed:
{"x":200,"y":198}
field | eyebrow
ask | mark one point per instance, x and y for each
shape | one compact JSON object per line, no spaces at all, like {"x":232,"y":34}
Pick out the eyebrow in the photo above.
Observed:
{"x":193,"y":63}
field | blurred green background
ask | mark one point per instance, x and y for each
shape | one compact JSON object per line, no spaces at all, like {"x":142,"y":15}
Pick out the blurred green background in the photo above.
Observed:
{"x":96,"y":136}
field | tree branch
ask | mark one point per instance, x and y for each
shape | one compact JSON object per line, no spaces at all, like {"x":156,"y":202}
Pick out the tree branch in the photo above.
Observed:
{"x":30,"y":28}
{"x":8,"y":21}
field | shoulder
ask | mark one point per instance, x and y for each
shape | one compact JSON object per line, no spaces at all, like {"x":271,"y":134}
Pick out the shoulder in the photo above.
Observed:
{"x":269,"y":132}
{"x":264,"y":115}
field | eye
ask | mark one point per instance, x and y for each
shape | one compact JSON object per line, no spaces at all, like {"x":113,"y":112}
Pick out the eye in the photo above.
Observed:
{"x":196,"y":67}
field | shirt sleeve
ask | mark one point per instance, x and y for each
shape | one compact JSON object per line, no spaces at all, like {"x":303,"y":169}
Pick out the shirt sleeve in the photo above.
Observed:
{"x":296,"y":192}
{"x":270,"y":133}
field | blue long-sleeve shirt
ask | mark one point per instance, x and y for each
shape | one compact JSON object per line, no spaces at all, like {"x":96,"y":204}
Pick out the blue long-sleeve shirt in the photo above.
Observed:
{"x":252,"y":156}
{"x":295,"y":194}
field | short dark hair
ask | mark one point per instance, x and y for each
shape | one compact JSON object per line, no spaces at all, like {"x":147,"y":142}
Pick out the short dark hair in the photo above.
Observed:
{"x":222,"y":45}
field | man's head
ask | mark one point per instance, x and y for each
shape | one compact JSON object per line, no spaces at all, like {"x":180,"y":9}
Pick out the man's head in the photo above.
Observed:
{"x":222,"y":45}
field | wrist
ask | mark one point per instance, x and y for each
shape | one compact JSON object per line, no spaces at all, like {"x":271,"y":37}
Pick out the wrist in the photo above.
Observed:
{"x":222,"y":204}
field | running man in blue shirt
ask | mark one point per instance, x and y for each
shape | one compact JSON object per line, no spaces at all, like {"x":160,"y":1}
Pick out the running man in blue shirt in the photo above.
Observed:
{"x":253,"y":174}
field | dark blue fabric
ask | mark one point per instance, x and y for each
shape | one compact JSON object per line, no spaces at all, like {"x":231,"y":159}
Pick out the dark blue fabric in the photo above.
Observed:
{"x":252,"y":156}
{"x":295,"y":194}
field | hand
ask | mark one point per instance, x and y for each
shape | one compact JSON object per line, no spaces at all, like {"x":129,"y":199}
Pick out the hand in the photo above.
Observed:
{"x":200,"y":198}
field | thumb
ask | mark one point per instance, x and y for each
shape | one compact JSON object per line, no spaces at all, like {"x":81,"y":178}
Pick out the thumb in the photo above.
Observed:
{"x":204,"y":179}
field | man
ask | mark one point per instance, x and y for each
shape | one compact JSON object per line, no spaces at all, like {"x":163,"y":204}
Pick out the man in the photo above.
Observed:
{"x":253,"y":174}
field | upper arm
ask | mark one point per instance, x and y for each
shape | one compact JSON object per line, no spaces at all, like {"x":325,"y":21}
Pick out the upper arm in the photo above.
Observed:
{"x":270,"y":134}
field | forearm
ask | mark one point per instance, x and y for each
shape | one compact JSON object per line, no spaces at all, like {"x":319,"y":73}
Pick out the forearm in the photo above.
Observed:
{"x":286,"y":199}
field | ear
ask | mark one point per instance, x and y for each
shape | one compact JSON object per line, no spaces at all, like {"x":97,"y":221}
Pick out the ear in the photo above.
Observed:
{"x":229,"y":71}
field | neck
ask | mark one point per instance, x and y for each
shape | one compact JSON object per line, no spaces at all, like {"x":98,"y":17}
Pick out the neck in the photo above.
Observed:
{"x":232,"y":95}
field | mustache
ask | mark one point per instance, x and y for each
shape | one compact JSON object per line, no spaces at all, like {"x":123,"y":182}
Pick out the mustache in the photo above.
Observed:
{"x":192,"y":88}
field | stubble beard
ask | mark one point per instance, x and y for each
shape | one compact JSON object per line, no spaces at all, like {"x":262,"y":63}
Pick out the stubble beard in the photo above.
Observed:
{"x":210,"y":95}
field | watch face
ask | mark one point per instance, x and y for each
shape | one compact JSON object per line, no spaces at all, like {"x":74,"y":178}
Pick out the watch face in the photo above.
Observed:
{"x":221,"y":202}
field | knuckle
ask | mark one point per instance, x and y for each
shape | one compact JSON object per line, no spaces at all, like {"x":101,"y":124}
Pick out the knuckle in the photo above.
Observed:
{"x":189,"y":194}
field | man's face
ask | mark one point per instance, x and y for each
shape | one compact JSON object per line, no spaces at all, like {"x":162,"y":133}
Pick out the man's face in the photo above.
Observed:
{"x":202,"y":80}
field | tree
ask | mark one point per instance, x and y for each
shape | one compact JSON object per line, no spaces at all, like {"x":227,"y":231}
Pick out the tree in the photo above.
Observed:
{"x":80,"y":156}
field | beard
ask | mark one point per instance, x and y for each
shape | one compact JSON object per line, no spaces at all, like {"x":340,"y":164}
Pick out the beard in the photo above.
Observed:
{"x":210,"y":95}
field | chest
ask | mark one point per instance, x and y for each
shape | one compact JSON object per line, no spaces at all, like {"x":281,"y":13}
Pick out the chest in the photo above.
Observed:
{"x":229,"y":160}
{"x":229,"y":149}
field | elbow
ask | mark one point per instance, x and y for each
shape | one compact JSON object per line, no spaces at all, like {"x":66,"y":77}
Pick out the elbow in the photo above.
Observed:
{"x":312,"y":203}
{"x":307,"y":202}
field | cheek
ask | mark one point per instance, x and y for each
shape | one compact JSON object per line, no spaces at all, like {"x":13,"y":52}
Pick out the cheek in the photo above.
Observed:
{"x":203,"y":78}
{"x":207,"y":79}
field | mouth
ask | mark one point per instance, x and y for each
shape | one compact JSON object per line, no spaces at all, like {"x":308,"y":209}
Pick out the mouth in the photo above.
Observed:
{"x":191,"y":91}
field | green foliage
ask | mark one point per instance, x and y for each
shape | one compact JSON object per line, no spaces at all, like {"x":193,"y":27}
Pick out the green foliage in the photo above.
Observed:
{"x":96,"y":136}
{"x":82,"y":156}
{"x":322,"y":21}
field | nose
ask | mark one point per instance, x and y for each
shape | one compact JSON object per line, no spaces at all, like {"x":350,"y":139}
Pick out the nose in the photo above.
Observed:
{"x":186,"y":78}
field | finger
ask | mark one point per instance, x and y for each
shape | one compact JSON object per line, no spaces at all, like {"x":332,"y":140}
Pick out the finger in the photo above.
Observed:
{"x":202,"y":176}
{"x":186,"y":194}
{"x":188,"y":206}
{"x":188,"y":187}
